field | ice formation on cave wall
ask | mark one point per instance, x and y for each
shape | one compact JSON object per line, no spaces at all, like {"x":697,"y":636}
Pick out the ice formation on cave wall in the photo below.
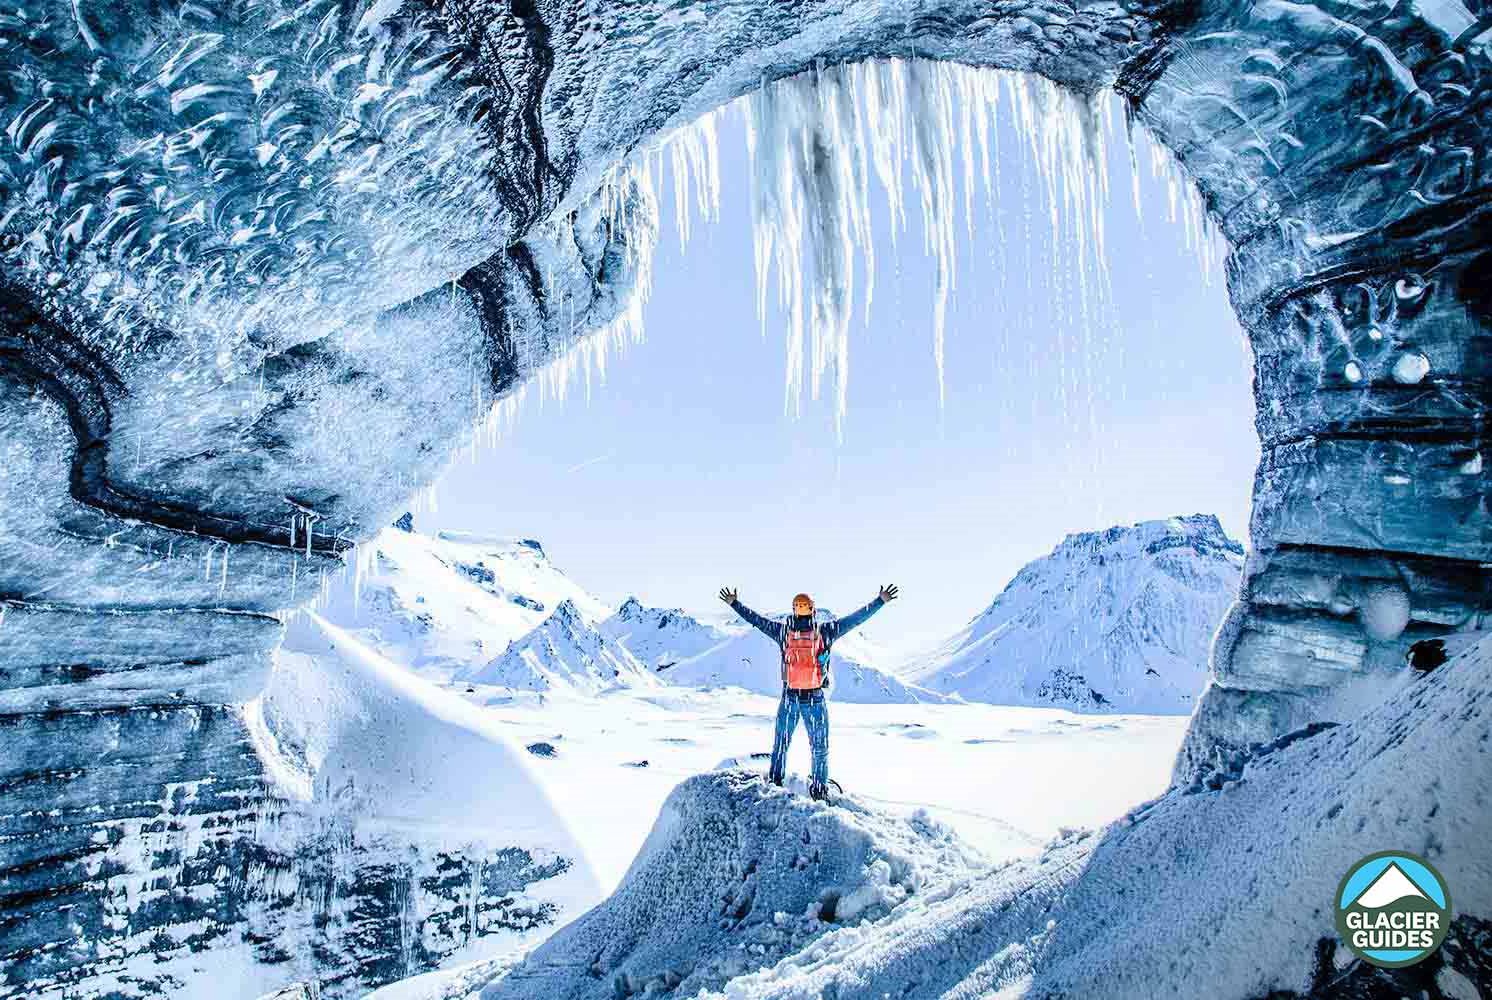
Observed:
{"x":832,"y":144}
{"x":264,"y":268}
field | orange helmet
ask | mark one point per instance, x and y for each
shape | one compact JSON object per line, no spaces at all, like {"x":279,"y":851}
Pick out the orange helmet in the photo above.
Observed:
{"x":804,"y":599}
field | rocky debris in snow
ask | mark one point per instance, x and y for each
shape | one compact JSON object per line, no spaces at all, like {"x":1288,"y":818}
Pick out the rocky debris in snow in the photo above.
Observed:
{"x":1427,"y":654}
{"x":296,"y":991}
{"x":1227,"y":765}
{"x":1460,"y":969}
{"x":542,"y":749}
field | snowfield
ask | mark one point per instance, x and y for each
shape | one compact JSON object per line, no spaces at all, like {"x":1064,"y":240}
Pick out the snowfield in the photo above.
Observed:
{"x":464,"y":692}
{"x":1005,"y":778}
{"x":977,"y":850}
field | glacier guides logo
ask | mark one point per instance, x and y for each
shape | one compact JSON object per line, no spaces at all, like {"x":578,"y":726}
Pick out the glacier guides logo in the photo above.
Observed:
{"x":1393,"y":909}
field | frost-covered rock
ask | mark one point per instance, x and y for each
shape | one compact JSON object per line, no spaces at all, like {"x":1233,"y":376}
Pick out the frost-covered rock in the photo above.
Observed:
{"x":736,"y":875}
{"x":1117,"y":620}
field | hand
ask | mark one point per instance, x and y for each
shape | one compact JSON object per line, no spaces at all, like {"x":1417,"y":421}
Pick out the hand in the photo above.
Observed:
{"x":727,"y":595}
{"x":888,"y":593}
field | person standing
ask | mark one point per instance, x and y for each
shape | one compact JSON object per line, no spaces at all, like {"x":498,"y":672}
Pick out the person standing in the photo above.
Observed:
{"x":804,"y":644}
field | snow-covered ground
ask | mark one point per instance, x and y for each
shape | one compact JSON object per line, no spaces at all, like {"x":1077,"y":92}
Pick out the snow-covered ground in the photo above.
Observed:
{"x":1223,"y":888}
{"x":1003,"y":781}
{"x":455,"y":677}
{"x":976,"y":848}
{"x":1005,"y":778}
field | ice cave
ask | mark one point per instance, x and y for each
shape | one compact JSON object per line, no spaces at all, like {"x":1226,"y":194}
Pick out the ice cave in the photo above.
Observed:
{"x":266,"y":265}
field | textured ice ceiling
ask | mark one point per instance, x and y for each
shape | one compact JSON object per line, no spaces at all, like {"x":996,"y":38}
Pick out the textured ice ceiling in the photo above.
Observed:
{"x":264,"y":265}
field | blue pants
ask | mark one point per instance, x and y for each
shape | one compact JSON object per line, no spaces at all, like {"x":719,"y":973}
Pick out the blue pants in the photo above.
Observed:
{"x":811,"y":707}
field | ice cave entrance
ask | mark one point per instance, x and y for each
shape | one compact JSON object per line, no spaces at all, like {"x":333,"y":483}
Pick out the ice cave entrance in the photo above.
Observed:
{"x":975,"y":305}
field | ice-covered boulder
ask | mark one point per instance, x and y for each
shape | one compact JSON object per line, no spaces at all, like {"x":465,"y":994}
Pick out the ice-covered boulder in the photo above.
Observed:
{"x":736,"y":875}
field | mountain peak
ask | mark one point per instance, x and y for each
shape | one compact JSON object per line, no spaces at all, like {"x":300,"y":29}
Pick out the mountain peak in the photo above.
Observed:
{"x":1201,"y":531}
{"x":567,"y":613}
{"x":1116,"y":620}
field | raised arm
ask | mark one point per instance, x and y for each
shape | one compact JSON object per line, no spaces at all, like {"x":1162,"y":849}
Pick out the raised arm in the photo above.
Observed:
{"x":858,"y":618}
{"x":772,"y":628}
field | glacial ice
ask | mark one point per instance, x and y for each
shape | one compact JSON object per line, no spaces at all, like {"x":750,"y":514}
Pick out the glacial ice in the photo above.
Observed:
{"x":265,"y":270}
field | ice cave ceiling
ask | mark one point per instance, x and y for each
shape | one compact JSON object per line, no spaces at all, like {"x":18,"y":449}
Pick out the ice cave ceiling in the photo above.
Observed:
{"x":265,"y":264}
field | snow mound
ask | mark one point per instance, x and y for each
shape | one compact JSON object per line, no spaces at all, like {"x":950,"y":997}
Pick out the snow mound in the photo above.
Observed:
{"x":688,"y":652}
{"x":735,"y":875}
{"x":345,"y":730}
{"x":1117,"y":620}
{"x":1223,"y":889}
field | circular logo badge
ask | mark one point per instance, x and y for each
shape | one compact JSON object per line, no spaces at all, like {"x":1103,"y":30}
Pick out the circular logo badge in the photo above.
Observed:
{"x":1393,"y":909}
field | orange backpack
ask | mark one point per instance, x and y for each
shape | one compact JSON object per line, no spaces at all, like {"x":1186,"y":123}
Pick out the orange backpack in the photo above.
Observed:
{"x":803,"y":656}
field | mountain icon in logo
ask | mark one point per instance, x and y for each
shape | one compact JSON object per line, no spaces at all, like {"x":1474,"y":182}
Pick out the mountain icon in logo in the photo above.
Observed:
{"x":1390,"y":887}
{"x":1392,"y":909}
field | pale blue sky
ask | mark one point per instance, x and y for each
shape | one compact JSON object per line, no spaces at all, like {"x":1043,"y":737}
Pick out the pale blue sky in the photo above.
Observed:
{"x":682,"y":473}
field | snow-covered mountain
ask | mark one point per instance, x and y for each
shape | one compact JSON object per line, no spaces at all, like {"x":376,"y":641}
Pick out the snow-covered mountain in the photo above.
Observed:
{"x":495,"y":611}
{"x":690,"y":652}
{"x":1116,"y":620}
{"x":440,"y":604}
{"x":564,"y":653}
{"x":662,"y":638}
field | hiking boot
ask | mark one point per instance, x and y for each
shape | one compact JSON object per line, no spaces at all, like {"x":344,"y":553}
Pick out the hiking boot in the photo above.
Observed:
{"x":819,"y":793}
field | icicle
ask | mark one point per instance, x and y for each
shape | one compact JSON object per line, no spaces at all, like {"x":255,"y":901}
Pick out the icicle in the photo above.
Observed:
{"x":814,"y":141}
